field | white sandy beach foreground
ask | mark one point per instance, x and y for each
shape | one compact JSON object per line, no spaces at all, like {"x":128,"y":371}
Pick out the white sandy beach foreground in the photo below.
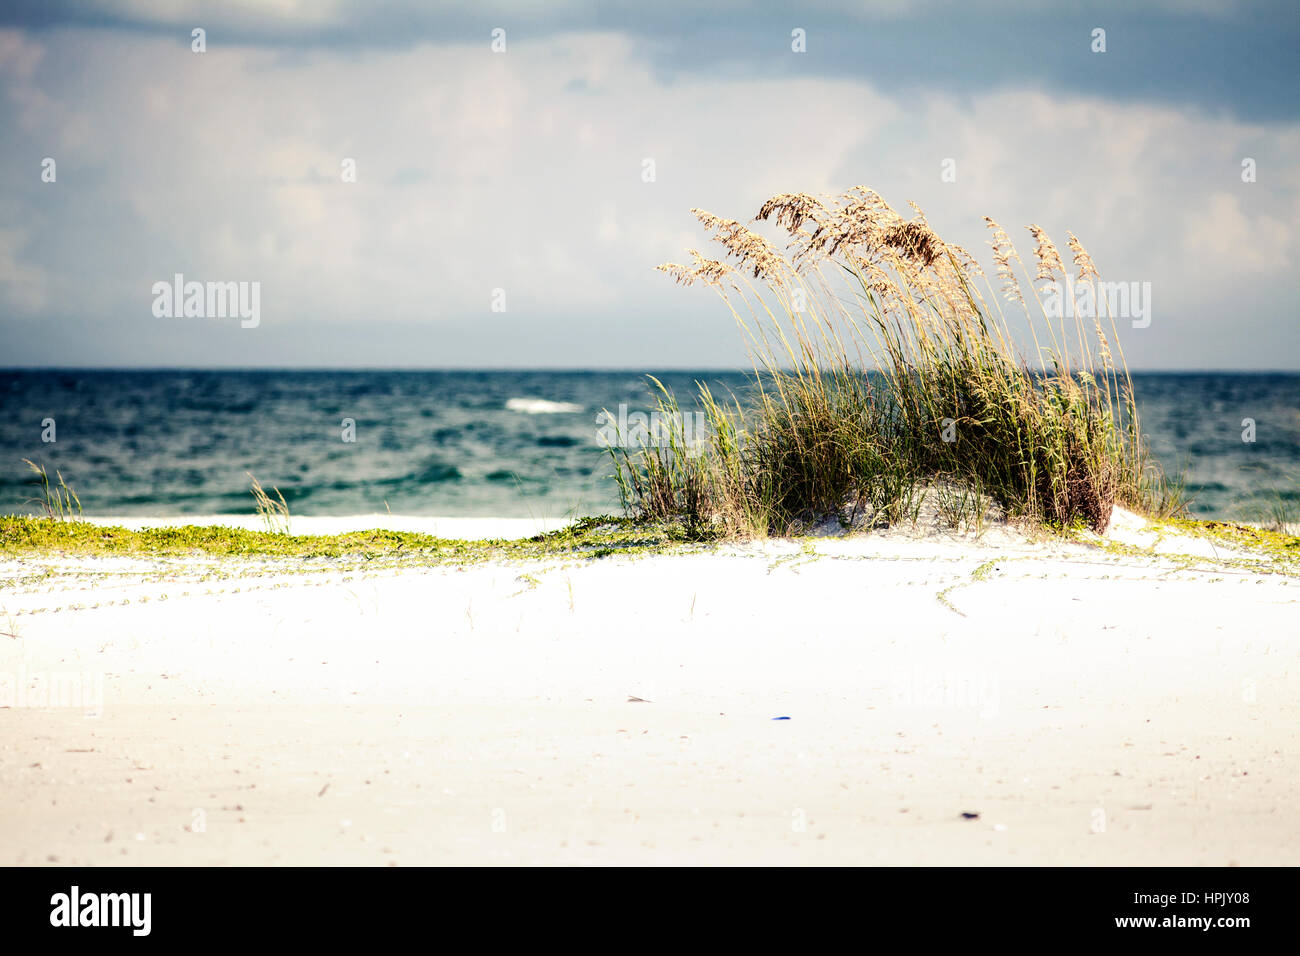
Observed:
{"x":877,"y":699}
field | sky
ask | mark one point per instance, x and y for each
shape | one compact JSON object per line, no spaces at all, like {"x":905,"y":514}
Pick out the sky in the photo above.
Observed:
{"x":500,"y":213}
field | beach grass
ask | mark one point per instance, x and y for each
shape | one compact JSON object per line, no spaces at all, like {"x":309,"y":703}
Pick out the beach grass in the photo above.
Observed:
{"x":888,"y":379}
{"x":58,"y":501}
{"x":274,"y":512}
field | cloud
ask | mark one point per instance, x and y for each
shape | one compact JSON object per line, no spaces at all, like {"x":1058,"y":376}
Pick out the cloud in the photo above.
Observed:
{"x":1221,"y":238}
{"x":1213,"y":54}
{"x":524,"y":171}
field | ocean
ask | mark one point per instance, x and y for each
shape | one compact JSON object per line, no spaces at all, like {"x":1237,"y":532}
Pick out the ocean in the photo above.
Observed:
{"x":492,"y":443}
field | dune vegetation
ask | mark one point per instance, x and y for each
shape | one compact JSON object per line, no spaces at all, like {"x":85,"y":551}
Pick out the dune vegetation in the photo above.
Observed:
{"x":887,"y":379}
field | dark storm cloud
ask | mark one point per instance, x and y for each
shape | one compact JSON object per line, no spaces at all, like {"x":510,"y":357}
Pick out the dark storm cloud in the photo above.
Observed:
{"x":1234,"y":57}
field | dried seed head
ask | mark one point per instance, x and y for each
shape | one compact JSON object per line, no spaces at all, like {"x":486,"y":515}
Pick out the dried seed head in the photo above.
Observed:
{"x":747,"y":246}
{"x":792,"y":210}
{"x":709,"y":271}
{"x":967,"y":262}
{"x":915,"y":241}
{"x":1082,"y":261}
{"x":1003,"y":253}
{"x":682,"y":275}
{"x":854,"y":224}
{"x":1049,"y":259}
{"x":1104,"y":346}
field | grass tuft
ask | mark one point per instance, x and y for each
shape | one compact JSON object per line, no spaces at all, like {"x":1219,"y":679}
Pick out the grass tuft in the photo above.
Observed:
{"x":886,"y":384}
{"x":57,"y":501}
{"x":274,"y":511}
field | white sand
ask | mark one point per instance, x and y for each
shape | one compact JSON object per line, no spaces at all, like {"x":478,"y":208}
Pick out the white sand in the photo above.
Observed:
{"x":1092,"y":707}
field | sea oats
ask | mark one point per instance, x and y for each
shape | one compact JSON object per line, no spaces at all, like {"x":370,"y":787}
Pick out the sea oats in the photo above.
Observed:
{"x":708,"y":271}
{"x":792,"y":210}
{"x":967,"y":262}
{"x":914,"y":240}
{"x":1104,"y":348}
{"x":682,"y":275}
{"x":857,"y":223}
{"x":1003,"y":253}
{"x":833,"y":231}
{"x":877,"y":281}
{"x":1049,"y":259}
{"x":868,"y":206}
{"x":747,"y":246}
{"x":1082,"y":261}
{"x":876,"y":290}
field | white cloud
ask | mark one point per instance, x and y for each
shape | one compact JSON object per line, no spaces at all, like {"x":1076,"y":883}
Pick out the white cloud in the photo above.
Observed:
{"x":1221,"y":238}
{"x":478,"y":170}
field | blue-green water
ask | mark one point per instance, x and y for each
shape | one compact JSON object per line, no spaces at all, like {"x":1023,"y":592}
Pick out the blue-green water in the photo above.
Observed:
{"x":478,"y":443}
